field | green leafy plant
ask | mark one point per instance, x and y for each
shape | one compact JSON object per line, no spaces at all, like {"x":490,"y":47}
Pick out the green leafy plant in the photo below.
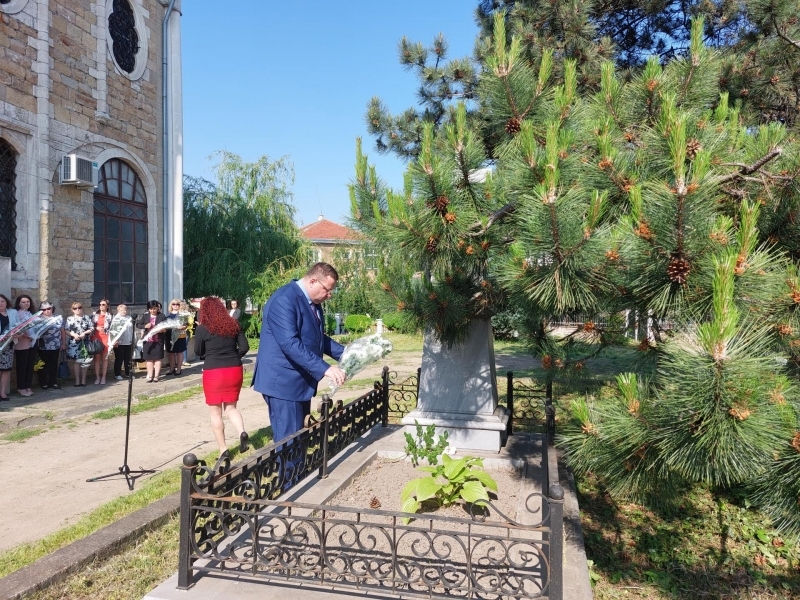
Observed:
{"x":357,"y":323}
{"x":453,"y":480}
{"x":424,"y":446}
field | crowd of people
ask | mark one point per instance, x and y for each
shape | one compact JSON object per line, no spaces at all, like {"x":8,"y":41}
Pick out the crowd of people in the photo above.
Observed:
{"x":288,"y":367}
{"x":63,"y":343}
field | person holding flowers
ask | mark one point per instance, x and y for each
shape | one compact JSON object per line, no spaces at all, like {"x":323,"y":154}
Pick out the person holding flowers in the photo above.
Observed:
{"x":79,"y":328}
{"x":8,"y":319}
{"x":121,"y":338}
{"x":176,"y":339}
{"x":50,"y":344}
{"x":222,"y":343}
{"x":289,"y":364}
{"x":153,"y":349}
{"x":102,"y":321}
{"x":24,"y":350}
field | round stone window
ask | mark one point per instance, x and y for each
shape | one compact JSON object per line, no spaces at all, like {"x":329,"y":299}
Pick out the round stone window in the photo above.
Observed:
{"x":12,"y":6}
{"x":127,"y":37}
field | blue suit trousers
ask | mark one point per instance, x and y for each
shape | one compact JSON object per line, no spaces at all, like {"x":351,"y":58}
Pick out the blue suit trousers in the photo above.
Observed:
{"x":286,"y":416}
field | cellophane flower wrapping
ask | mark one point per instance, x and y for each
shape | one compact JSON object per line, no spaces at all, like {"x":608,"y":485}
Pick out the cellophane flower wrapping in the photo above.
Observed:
{"x":186,"y":319}
{"x":43,"y":325}
{"x":25,"y":326}
{"x":117,"y":329}
{"x":163,"y":326}
{"x":359,"y":354}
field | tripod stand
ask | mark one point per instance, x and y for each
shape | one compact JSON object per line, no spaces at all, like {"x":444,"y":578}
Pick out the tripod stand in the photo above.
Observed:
{"x":125,"y":470}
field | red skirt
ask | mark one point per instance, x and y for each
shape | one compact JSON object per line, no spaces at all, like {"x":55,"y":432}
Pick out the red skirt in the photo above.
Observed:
{"x":222,"y":386}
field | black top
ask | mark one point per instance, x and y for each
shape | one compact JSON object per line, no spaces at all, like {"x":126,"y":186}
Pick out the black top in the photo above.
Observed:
{"x":219,"y":352}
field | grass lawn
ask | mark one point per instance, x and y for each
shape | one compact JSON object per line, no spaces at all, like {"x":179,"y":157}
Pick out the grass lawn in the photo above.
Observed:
{"x":709,"y":546}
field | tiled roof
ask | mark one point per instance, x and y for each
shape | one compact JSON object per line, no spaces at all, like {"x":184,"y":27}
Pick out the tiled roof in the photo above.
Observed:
{"x":324,"y":230}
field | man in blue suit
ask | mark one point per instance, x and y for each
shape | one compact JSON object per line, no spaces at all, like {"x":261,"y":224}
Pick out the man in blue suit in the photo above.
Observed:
{"x":289,"y":363}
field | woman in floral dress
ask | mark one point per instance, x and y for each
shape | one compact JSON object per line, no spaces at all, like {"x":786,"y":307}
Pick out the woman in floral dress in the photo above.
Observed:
{"x":78,"y":327}
{"x":51,"y":342}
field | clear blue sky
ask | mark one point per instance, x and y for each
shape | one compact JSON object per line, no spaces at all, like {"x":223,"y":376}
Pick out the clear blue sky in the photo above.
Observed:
{"x":294,"y":78}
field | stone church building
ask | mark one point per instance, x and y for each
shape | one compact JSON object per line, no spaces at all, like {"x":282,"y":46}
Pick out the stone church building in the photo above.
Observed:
{"x":91,"y":150}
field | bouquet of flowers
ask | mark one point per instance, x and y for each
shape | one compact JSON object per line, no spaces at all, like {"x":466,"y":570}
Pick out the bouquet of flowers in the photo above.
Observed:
{"x":165,"y":326}
{"x":46,"y":323}
{"x":118,"y":327}
{"x":360,"y":353}
{"x":20,"y":328}
{"x":186,"y":319}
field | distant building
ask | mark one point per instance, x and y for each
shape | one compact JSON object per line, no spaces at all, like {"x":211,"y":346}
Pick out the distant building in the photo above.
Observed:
{"x":326,"y":236}
{"x":81,"y":103}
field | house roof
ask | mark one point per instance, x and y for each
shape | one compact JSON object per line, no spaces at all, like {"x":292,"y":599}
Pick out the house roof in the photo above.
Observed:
{"x":323,"y":230}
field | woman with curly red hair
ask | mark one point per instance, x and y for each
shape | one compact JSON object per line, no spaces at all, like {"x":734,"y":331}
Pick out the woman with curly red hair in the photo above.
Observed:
{"x":221,"y":342}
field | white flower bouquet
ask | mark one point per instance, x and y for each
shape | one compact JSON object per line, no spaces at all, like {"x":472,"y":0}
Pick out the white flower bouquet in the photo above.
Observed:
{"x":117,"y":329}
{"x":163,"y":326}
{"x":186,"y":319}
{"x":361,"y":353}
{"x":24,"y":327}
{"x":44,"y":324}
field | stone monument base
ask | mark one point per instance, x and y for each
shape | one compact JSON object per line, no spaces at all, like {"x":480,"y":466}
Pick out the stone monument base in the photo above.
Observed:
{"x":465,"y":431}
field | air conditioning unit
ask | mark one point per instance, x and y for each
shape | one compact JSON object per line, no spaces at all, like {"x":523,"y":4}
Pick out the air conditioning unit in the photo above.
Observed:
{"x":77,"y":170}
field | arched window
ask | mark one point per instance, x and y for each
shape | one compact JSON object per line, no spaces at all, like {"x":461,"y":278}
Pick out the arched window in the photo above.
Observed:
{"x":120,"y":235}
{"x":8,"y":202}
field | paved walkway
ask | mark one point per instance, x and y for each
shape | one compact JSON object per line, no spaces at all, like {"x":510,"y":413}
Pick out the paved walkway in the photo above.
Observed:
{"x":45,"y":476}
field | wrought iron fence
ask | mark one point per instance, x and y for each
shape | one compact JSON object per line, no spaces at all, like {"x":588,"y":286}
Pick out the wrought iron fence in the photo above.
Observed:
{"x":531,"y":405}
{"x":233,"y":522}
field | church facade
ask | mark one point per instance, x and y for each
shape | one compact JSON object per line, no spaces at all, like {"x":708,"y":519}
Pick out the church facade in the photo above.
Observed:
{"x":90,"y":150}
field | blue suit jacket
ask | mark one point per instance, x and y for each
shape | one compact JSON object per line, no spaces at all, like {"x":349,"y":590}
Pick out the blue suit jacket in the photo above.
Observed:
{"x":289,"y":362}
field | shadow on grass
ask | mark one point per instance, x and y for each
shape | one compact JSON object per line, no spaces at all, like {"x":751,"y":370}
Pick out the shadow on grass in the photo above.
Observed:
{"x":702,"y":546}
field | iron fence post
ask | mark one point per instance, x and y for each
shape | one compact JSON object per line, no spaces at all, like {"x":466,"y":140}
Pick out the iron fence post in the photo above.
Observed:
{"x":419,"y":380}
{"x":385,"y":395}
{"x":556,"y":500}
{"x":184,"y":555}
{"x":510,"y":402}
{"x":326,"y":405}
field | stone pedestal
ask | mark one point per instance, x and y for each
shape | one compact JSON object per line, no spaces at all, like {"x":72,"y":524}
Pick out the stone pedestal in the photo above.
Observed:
{"x":458,"y":392}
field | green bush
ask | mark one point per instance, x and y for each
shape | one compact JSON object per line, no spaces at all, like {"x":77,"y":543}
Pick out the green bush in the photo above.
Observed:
{"x":393,"y":321}
{"x":330,"y":324}
{"x":396,"y":321}
{"x":357,"y":323}
{"x":507,"y":324}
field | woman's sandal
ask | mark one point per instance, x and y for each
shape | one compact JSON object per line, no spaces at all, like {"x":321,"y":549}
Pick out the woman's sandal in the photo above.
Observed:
{"x":243,"y":442}
{"x":155,"y":379}
{"x":149,"y":380}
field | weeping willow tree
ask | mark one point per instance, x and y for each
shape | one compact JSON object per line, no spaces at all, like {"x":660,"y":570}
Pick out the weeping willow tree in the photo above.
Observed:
{"x":235,"y":228}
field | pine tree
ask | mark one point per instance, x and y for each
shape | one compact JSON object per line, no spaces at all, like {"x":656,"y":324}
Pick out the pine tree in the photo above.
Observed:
{"x":650,"y":192}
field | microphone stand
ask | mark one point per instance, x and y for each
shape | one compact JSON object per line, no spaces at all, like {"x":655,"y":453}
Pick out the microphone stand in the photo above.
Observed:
{"x":125,"y":470}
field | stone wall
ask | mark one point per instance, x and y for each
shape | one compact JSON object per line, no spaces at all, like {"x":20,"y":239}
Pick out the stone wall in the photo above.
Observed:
{"x":61,"y":92}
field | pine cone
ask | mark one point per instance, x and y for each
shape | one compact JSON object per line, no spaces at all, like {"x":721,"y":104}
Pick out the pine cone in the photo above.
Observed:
{"x":678,"y":268}
{"x":450,"y":217}
{"x":432,"y":244}
{"x":374,"y":503}
{"x":740,"y":412}
{"x":693,"y":146}
{"x":513,"y":126}
{"x":796,"y":441}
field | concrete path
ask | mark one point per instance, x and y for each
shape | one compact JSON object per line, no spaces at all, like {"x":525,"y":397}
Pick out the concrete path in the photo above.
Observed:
{"x":45,"y":476}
